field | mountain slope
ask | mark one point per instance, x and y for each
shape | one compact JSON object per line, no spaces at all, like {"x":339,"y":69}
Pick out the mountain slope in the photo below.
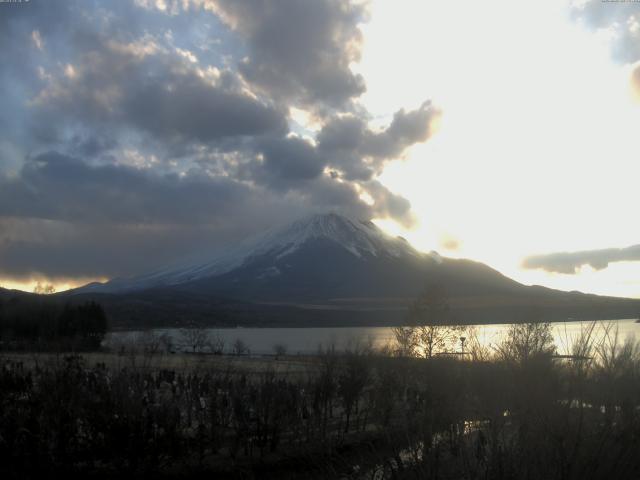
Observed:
{"x":318,"y":257}
{"x":346,"y":268}
{"x":357,"y":238}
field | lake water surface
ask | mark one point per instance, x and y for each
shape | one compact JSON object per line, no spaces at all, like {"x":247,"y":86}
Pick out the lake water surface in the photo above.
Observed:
{"x":308,"y":340}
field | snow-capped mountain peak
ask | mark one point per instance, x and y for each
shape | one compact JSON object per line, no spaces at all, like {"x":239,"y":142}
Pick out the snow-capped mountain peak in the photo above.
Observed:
{"x":357,"y":236}
{"x":360,"y":238}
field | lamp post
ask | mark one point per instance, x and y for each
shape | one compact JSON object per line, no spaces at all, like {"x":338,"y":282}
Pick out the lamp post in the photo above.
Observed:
{"x":462,"y":340}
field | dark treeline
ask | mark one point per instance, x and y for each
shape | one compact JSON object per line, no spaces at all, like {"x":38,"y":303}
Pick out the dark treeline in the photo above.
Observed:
{"x":517,"y":413}
{"x":43,"y":323}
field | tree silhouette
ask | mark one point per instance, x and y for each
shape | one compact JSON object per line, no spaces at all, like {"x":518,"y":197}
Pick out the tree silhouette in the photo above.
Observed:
{"x":431,"y":328}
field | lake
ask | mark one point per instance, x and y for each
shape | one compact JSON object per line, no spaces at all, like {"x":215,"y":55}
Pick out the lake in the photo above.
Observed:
{"x":307,"y":340}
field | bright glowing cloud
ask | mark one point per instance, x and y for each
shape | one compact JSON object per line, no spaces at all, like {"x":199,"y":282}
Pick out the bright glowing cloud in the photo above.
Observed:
{"x":537,"y":145}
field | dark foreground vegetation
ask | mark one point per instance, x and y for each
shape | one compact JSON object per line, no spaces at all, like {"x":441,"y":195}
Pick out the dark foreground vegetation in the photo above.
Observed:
{"x":516,"y":412}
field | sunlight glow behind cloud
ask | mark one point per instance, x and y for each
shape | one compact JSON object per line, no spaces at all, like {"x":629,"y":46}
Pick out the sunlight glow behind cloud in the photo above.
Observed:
{"x":537,"y":149}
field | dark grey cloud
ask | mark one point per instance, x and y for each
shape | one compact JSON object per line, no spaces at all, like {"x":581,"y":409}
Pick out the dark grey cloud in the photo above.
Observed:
{"x":299,"y":50}
{"x":570,"y":262}
{"x":143,"y":85}
{"x":345,"y":146}
{"x":62,"y":217}
{"x":195,"y":110}
{"x":126,"y":126}
{"x":57,"y":187}
{"x":284,"y":163}
{"x":68,"y":250}
{"x":349,"y":144}
{"x":53,"y":186}
{"x":620,"y":18}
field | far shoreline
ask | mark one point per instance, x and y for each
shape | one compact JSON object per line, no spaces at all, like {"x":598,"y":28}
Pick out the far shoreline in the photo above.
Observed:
{"x":354,"y":325}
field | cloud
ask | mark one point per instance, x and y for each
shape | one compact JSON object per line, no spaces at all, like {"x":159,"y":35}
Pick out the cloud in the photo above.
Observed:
{"x":349,"y":144}
{"x":571,"y":262}
{"x":63,"y":217}
{"x":68,"y":250}
{"x":389,"y":204}
{"x":450,"y":243}
{"x":156,"y":90}
{"x":300,"y":51}
{"x":284,"y":163}
{"x":196,"y":110}
{"x":345,"y":146}
{"x":57,"y":187}
{"x":620,"y":21}
{"x":635,"y":81}
{"x":141,"y":123}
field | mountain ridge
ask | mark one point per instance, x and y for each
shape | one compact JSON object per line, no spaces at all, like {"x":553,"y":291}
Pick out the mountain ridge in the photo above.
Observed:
{"x":359,"y":237}
{"x":331,"y":269}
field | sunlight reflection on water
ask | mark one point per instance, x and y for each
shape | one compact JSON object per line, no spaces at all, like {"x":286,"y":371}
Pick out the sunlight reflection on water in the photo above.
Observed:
{"x":308,"y":340}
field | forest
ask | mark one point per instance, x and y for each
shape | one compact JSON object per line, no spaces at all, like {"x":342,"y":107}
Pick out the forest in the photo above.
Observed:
{"x":39,"y":323}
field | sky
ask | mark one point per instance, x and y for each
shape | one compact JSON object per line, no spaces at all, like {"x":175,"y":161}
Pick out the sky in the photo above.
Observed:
{"x":136,"y":133}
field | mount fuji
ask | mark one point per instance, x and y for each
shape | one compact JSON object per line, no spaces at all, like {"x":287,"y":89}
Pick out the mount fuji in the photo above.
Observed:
{"x":269,"y":255}
{"x":332,"y":269}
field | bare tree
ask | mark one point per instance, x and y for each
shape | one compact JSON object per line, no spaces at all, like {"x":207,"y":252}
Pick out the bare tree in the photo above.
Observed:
{"x":216,"y":344}
{"x":406,"y":341}
{"x":476,"y":349}
{"x":239,"y":347}
{"x":429,"y":315}
{"x":353,"y":378}
{"x":167,"y":342}
{"x":149,"y":342}
{"x":195,"y":338}
{"x":280,"y":349}
{"x":525,"y":341}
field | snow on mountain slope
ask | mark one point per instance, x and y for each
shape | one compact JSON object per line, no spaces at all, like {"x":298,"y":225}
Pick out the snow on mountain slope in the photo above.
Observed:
{"x":359,"y":238}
